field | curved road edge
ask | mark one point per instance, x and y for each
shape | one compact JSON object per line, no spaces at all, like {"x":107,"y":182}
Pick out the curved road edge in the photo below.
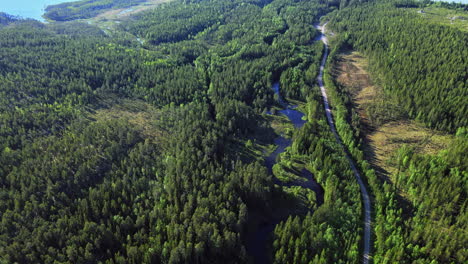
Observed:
{"x":364,"y":193}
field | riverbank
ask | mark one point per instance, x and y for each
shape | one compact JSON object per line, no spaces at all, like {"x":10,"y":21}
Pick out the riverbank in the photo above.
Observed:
{"x":299,"y":182}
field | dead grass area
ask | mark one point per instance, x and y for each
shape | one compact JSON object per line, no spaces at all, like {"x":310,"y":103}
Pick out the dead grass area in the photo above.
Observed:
{"x":121,"y":13}
{"x":352,"y":73}
{"x":385,"y":140}
{"x":139,"y":114}
{"x":443,"y":16}
{"x":381,"y":142}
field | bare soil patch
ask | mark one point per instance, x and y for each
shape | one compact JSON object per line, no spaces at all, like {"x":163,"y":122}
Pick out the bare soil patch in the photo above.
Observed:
{"x":351,"y":72}
{"x":126,"y":12}
{"x":381,"y":142}
{"x":139,"y":114}
{"x":386,"y":139}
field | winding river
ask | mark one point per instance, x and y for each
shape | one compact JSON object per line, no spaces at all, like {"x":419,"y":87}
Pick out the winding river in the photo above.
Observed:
{"x":257,"y":243}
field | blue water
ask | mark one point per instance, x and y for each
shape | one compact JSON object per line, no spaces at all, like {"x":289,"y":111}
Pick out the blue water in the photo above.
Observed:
{"x":27,"y":8}
{"x":256,"y":244}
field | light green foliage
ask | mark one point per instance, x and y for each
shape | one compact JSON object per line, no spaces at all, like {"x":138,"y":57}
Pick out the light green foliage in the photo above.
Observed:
{"x":428,"y":222}
{"x":79,"y":185}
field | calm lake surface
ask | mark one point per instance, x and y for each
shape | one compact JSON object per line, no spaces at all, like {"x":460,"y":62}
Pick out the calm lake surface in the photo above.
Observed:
{"x":27,"y":8}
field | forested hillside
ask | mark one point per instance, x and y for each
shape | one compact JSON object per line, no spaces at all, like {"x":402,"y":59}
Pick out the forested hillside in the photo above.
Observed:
{"x":148,"y":144}
{"x":421,"y":66}
{"x":115,"y":152}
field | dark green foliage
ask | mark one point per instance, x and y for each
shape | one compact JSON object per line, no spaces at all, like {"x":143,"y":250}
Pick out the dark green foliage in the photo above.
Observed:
{"x":80,"y":190}
{"x":77,"y":29}
{"x":331,"y":234}
{"x":175,"y":22}
{"x":75,"y":188}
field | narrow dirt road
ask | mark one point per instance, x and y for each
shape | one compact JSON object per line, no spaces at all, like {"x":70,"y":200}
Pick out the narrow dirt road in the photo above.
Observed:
{"x":364,"y":194}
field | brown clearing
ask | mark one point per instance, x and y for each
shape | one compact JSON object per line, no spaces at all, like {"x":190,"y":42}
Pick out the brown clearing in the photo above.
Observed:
{"x":120,"y":13}
{"x":141,"y":115}
{"x":380,"y":143}
{"x":352,"y":74}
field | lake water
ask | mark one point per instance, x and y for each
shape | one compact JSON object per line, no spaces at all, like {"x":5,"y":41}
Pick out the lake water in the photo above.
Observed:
{"x":27,"y":8}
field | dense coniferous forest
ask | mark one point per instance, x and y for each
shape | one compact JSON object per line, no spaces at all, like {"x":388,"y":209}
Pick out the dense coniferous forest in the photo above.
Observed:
{"x":148,"y":144}
{"x":80,"y":188}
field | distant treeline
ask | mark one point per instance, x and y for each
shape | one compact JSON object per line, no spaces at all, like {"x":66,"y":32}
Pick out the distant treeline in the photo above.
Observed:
{"x":425,"y":3}
{"x":422,"y":66}
{"x":84,"y":9}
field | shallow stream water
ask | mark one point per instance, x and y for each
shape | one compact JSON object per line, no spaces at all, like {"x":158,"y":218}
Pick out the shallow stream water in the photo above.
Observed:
{"x":257,"y":244}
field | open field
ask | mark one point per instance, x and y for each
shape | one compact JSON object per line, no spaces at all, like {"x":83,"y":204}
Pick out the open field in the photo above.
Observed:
{"x":140,"y":114}
{"x":121,"y":13}
{"x":385,"y":140}
{"x":352,"y":74}
{"x":381,"y":142}
{"x":444,"y":16}
{"x":108,"y":20}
